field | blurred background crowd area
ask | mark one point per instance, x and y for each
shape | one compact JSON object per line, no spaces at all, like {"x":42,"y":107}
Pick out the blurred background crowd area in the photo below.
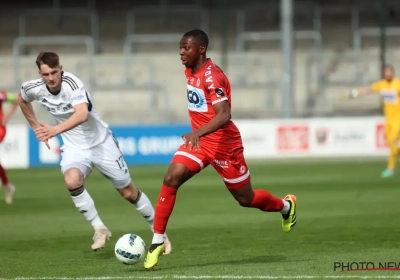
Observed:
{"x":285,"y":59}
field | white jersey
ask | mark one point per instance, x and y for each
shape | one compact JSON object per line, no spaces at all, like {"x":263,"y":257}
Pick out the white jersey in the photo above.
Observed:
{"x":61,"y":105}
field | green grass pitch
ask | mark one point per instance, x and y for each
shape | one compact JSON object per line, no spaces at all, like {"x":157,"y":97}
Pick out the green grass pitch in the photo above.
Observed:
{"x":346,"y":213}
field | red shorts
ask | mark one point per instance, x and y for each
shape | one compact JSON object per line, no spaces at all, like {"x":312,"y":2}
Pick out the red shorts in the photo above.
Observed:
{"x":2,"y":133}
{"x":229,"y":163}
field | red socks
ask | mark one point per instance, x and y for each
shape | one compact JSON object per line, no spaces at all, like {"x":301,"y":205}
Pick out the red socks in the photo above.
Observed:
{"x":3,"y":176}
{"x":266,"y":202}
{"x":164,"y":207}
{"x":262,"y":200}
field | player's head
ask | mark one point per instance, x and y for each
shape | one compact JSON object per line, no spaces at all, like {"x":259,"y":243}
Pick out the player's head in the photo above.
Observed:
{"x":50,"y":70}
{"x":193,"y":46}
{"x":388,"y":72}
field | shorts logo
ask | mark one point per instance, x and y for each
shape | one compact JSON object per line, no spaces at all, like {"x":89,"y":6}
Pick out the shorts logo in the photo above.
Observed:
{"x":242,"y":170}
{"x":219,"y":92}
{"x":221,"y":163}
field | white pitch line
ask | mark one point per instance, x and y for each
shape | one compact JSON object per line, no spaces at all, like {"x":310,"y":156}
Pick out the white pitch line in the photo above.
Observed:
{"x":208,"y":277}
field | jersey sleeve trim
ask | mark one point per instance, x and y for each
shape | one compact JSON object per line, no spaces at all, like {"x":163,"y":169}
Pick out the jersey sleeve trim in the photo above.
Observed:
{"x":10,"y":97}
{"x":219,"y":100}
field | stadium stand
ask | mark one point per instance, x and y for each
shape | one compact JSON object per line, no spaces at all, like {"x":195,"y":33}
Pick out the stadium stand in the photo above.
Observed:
{"x":104,"y":46}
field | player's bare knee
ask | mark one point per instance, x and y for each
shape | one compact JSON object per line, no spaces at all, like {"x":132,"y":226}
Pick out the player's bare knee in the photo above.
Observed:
{"x":73,"y":179}
{"x":177,"y":174}
{"x":172,"y":180}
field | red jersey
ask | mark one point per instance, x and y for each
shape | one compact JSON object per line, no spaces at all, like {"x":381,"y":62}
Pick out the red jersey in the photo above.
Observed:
{"x":204,"y":89}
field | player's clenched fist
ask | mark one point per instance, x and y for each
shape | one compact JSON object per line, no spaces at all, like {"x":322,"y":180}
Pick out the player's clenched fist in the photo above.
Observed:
{"x":192,"y":138}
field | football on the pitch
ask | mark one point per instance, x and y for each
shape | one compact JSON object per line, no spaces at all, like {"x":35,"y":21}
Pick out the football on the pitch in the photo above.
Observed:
{"x":130,"y":249}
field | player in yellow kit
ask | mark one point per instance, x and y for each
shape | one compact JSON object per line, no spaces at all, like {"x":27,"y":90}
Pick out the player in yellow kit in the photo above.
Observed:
{"x":389,"y":88}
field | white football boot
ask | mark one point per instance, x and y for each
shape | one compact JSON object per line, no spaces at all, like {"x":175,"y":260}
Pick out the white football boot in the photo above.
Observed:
{"x":10,"y":190}
{"x":101,"y":235}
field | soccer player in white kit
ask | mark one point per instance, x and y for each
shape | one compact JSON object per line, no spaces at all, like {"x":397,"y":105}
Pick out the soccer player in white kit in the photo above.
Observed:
{"x":88,"y":142}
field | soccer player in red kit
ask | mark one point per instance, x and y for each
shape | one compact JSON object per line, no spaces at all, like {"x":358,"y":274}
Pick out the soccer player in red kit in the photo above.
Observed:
{"x":11,"y":98}
{"x":215,"y":140}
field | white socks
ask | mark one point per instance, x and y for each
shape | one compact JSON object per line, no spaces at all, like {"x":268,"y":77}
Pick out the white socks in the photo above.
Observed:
{"x":157,"y":238}
{"x":286,"y":207}
{"x":143,"y":205}
{"x":85,"y":205}
{"x":145,"y":208}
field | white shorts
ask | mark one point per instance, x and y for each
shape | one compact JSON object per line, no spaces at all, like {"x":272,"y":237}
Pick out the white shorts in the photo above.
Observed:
{"x":106,"y":157}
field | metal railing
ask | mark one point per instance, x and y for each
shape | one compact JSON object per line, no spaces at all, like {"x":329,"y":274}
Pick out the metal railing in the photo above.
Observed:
{"x":239,"y":62}
{"x":244,"y":35}
{"x":52,"y":40}
{"x":162,"y":10}
{"x":157,"y":92}
{"x":133,"y":39}
{"x":361,"y":33}
{"x":57,"y":13}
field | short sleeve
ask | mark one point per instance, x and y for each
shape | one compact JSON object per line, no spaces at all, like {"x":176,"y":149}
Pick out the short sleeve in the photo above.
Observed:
{"x":376,"y":86}
{"x":76,"y":89}
{"x":217,"y":86}
{"x":79,"y":96}
{"x":29,"y":90}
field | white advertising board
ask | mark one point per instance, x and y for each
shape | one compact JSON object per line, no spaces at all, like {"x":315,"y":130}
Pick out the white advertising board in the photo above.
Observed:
{"x":14,"y":150}
{"x":330,"y":137}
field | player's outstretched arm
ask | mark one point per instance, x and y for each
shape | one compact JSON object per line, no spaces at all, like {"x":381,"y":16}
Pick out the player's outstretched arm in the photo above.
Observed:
{"x":14,"y":104}
{"x":221,"y":118}
{"x":27,"y":110}
{"x":80,"y":115}
{"x":361,"y":91}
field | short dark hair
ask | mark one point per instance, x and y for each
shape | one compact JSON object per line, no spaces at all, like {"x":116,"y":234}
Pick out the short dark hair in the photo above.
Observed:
{"x":389,"y":66}
{"x":49,"y":58}
{"x":199,"y":35}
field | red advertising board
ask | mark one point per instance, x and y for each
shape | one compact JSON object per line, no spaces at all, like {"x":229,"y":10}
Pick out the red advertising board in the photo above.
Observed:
{"x":293,"y":138}
{"x":380,"y":136}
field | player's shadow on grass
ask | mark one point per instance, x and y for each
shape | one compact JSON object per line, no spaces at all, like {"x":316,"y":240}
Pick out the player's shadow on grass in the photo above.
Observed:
{"x":253,"y":260}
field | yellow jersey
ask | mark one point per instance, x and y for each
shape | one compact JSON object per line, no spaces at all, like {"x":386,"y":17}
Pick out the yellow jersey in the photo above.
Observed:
{"x":390,"y":91}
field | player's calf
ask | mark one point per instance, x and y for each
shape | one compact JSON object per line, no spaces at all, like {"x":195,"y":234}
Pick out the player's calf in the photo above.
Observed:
{"x":130,"y":192}
{"x":260,"y":199}
{"x":140,"y":200}
{"x":243,"y":195}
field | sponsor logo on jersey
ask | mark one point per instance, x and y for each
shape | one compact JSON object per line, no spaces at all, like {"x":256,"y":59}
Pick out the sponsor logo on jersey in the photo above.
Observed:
{"x":196,"y":99}
{"x":389,"y":96}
